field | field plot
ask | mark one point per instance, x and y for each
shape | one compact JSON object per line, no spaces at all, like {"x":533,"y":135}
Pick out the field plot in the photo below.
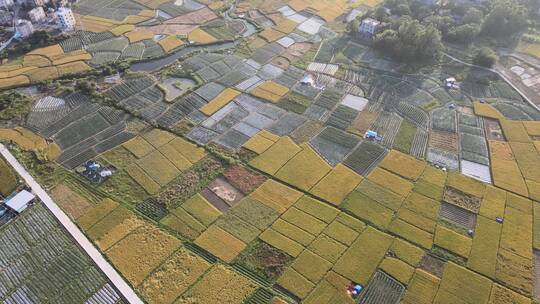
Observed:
{"x":304,"y":170}
{"x":443,"y":119}
{"x":443,"y":158}
{"x":382,"y":288}
{"x":231,"y":287}
{"x":459,"y":283}
{"x":443,"y":140}
{"x":337,"y":184}
{"x":234,"y":124}
{"x":173,"y":277}
{"x":364,"y":157}
{"x":141,"y":251}
{"x":422,"y":288}
{"x":403,"y":165}
{"x":322,"y":106}
{"x":82,"y":130}
{"x":28,"y":275}
{"x":159,"y":158}
{"x":387,"y":126}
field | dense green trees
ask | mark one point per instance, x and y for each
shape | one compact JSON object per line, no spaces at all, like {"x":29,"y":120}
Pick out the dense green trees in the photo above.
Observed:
{"x":506,"y":18}
{"x":485,"y":57}
{"x":409,"y":40}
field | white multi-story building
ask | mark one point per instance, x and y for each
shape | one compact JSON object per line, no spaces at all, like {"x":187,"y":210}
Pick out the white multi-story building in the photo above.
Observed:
{"x":369,"y":26}
{"x":66,"y":19}
{"x":7,"y":4}
{"x":24,"y":28}
{"x":37,"y":14}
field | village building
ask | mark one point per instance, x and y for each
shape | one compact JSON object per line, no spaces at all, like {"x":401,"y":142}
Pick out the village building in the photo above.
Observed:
{"x":369,"y":27}
{"x":24,"y":28}
{"x":37,"y":15}
{"x":66,"y":19}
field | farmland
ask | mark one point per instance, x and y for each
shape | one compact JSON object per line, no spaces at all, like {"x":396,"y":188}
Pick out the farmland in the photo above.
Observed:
{"x":259,"y":152}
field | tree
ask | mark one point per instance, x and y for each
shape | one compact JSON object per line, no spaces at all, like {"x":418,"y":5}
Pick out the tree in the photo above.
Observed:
{"x":443,"y":23}
{"x":464,"y":33}
{"x":408,"y":40}
{"x":473,"y":15}
{"x":85,"y":87}
{"x":485,"y":57}
{"x":506,"y":18}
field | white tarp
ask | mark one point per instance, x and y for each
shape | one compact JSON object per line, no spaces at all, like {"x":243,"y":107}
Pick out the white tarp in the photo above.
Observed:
{"x":20,"y":201}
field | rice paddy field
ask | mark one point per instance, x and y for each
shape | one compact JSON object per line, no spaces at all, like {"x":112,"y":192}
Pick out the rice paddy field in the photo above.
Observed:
{"x":242,"y":170}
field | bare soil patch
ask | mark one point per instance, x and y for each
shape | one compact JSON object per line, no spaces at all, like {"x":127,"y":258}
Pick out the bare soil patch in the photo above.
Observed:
{"x":432,"y":264}
{"x":227,"y":192}
{"x":71,"y":202}
{"x":446,"y":141}
{"x":243,"y":179}
{"x":493,"y":129}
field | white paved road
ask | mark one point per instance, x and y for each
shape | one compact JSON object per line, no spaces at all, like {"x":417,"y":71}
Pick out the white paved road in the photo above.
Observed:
{"x":111,"y":273}
{"x":506,"y":79}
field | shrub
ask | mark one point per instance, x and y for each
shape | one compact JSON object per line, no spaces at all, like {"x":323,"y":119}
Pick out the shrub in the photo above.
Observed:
{"x":485,"y":57}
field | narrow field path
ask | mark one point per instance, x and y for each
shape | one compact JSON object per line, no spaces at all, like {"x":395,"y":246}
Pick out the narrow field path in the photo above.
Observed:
{"x":500,"y":71}
{"x":111,"y":273}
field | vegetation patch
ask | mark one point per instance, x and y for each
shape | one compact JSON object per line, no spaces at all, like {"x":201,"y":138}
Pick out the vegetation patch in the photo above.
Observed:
{"x":337,"y":184}
{"x":173,"y":277}
{"x":485,"y":244}
{"x":304,"y":170}
{"x":361,"y":259}
{"x":422,"y":289}
{"x":368,"y":210}
{"x":141,"y":251}
{"x":281,"y":242}
{"x":403,"y":165}
{"x":96,"y":213}
{"x":220,"y":243}
{"x":411,"y":233}
{"x":228,"y":286}
{"x":459,"y":283}
{"x":452,"y":241}
{"x":243,"y":178}
{"x":397,"y":269}
{"x":391,"y":181}
{"x":276,"y":195}
{"x":316,"y":209}
{"x":271,"y":160}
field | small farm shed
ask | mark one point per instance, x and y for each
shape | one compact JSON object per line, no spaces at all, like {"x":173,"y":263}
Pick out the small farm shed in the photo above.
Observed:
{"x":20,"y":201}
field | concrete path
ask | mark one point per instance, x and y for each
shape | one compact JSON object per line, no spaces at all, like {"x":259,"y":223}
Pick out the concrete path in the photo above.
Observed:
{"x":111,"y":273}
{"x":523,"y":94}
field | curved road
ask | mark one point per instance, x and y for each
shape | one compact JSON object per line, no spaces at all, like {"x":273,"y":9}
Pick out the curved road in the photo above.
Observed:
{"x":523,"y":94}
{"x":111,"y":273}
